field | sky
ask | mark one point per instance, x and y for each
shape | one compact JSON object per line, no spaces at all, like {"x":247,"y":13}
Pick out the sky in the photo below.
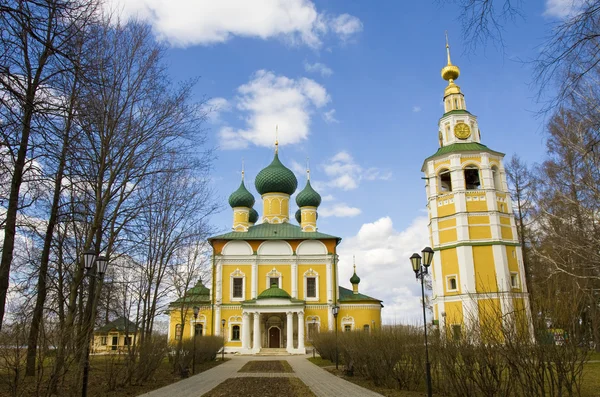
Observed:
{"x":355,"y":90}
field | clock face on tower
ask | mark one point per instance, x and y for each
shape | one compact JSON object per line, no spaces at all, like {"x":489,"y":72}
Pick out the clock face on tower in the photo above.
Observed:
{"x":462,"y":131}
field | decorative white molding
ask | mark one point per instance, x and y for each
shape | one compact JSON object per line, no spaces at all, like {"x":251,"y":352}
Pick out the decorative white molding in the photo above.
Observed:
{"x":310,"y":273}
{"x":236,"y":248}
{"x":237,"y":274}
{"x":311,"y":247}
{"x":273,"y":274}
{"x":277,"y":247}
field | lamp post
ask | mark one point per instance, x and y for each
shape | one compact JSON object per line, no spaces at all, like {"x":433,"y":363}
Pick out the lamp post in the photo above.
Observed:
{"x":312,"y":337}
{"x":89,"y":259}
{"x":420,"y":272}
{"x":196,"y":310}
{"x":336,"y":310}
{"x":223,"y":351}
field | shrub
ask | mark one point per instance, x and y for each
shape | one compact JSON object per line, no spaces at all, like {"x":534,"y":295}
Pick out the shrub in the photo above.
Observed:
{"x":207,"y":348}
{"x":324,"y":342}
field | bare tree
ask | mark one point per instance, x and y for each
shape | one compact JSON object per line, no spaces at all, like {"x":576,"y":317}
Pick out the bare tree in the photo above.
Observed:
{"x":33,"y":48}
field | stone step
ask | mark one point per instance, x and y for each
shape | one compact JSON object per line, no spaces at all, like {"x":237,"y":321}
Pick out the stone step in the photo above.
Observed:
{"x":265,"y":351}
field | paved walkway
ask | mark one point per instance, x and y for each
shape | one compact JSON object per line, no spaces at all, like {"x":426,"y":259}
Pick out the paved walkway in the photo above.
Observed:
{"x":321,"y":382}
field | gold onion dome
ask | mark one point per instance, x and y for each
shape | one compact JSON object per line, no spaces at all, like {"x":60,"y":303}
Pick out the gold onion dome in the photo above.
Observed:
{"x":241,"y":197}
{"x":276,"y":178}
{"x":450,"y":73}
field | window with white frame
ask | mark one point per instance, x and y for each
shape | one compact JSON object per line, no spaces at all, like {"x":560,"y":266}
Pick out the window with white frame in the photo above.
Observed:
{"x":366,"y":328}
{"x":178,"y":330}
{"x":514,"y":280}
{"x":452,"y":283}
{"x":104,"y":340}
{"x":311,"y":285}
{"x":238,"y":287}
{"x":235,"y":332}
{"x":274,"y":277}
{"x":348,"y":323}
{"x":472,"y":179}
{"x":347,"y":328}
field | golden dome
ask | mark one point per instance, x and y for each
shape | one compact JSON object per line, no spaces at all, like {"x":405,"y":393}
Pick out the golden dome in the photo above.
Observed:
{"x":450,"y":72}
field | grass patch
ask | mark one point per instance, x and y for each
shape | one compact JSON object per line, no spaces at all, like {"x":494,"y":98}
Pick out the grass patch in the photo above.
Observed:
{"x":270,"y":366}
{"x":591,"y":380}
{"x":321,"y":362}
{"x":261,"y":387}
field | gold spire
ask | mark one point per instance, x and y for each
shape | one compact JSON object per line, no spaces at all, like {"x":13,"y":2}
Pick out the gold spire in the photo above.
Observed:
{"x":450,"y":73}
{"x":448,"y":49}
{"x":276,"y":139}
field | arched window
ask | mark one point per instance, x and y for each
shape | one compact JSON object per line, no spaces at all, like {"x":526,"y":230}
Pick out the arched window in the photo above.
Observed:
{"x":198,"y":329}
{"x":445,"y":180}
{"x":472,"y":181}
{"x":497,"y":179}
{"x":235,"y":332}
{"x":178,"y":330}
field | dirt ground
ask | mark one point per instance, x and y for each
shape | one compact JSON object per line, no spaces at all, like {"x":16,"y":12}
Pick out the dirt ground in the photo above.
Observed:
{"x":267,"y":367}
{"x":261,"y":387}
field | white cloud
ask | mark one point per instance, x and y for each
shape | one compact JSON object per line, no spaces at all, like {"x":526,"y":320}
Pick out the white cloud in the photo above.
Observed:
{"x":562,"y":8}
{"x":346,"y":174}
{"x":184,"y":23}
{"x":214,"y":107}
{"x":382,"y":264}
{"x":328,"y":197}
{"x":340,"y":210}
{"x":416,"y":109}
{"x":317,"y":67}
{"x":329,"y":117}
{"x":346,"y":25}
{"x":268,"y":100}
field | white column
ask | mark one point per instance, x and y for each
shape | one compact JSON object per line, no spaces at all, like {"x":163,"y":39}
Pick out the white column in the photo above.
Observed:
{"x":330,"y":323}
{"x":329,"y":278}
{"x":217,"y":323}
{"x":301,"y":332}
{"x":289,"y":325}
{"x":254,"y":278}
{"x":256,"y":345}
{"x":219,"y":282}
{"x":294,"y":279}
{"x":245,"y":331}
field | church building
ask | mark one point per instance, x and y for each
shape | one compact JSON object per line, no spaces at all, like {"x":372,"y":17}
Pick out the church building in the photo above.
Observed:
{"x":274,"y":283}
{"x":478,"y":263}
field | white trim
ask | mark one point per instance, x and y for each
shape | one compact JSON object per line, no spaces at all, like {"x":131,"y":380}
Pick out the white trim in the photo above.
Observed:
{"x":347,"y":320}
{"x":517,"y":284}
{"x":310,"y":273}
{"x":234,"y":320}
{"x":237,"y":274}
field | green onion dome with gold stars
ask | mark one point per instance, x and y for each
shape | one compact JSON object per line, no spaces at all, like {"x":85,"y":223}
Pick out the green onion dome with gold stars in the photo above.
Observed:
{"x":308,"y":197}
{"x":276,"y":178}
{"x":241,"y":197}
{"x":253,"y":217}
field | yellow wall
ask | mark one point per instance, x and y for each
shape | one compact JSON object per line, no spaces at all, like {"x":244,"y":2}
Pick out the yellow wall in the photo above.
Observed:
{"x":450,"y":262}
{"x":445,"y":209}
{"x":454,"y":313}
{"x":286,"y":277}
{"x":448,"y":236}
{"x":361,"y":317}
{"x":480,"y":232}
{"x":485,"y":271}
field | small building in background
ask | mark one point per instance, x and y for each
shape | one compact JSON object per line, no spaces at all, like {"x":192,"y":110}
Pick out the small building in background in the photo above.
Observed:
{"x":115,"y":336}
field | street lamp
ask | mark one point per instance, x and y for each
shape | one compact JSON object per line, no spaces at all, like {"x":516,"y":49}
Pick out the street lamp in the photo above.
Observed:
{"x":312,"y":337}
{"x":223,"y":351}
{"x":420,"y":273}
{"x":196,"y":310}
{"x":89,"y":259}
{"x":336,"y":310}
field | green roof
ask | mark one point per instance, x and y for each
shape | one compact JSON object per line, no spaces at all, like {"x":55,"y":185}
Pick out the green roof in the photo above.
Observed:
{"x":120,"y":324}
{"x":463,"y":147}
{"x":274,"y":231}
{"x":346,"y":295}
{"x":457,"y":111}
{"x":308,"y":197}
{"x":198,"y":294}
{"x":273,"y":292}
{"x":276,"y":178}
{"x":241,"y":197}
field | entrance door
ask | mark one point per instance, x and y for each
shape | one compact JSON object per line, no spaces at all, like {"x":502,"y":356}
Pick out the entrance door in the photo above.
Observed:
{"x":274,"y":337}
{"x":115,"y":342}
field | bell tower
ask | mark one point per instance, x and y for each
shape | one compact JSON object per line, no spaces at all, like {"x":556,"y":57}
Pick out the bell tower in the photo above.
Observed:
{"x":478,"y":266}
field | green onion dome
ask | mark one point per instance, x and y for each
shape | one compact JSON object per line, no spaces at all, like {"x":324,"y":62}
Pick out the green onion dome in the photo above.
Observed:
{"x":276,"y":178}
{"x":273,"y":292}
{"x":308,"y":197}
{"x":354,"y":279}
{"x":241,"y":197}
{"x":253,"y":216}
{"x":299,"y":216}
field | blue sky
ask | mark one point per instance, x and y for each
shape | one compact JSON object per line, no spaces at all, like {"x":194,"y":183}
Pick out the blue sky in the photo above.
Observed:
{"x":356,"y":88}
